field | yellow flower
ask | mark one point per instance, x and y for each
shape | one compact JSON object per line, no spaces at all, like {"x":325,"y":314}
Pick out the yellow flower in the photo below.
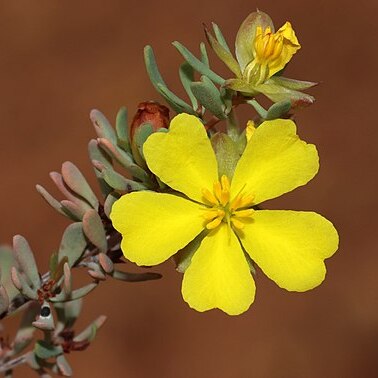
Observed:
{"x":289,"y":246}
{"x":261,"y":53}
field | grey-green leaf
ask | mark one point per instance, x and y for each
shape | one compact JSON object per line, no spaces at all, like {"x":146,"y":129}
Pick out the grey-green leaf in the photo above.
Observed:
{"x":102,"y":126}
{"x":90,"y":332}
{"x":199,"y":66}
{"x":73,"y":243}
{"x":77,"y":183}
{"x":208,"y":95}
{"x":186,"y":73}
{"x":122,"y":129}
{"x":135,"y":277}
{"x":25,"y":259}
{"x":46,"y":350}
{"x":94,"y":230}
{"x":157,"y":81}
{"x":76,"y":294}
{"x":278,"y":110}
{"x":50,"y":199}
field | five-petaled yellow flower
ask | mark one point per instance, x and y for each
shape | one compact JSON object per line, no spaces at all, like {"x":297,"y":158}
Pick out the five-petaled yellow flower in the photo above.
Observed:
{"x":289,"y":246}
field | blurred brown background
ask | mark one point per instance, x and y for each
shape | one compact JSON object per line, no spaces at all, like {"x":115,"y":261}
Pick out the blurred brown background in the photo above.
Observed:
{"x":59,"y":59}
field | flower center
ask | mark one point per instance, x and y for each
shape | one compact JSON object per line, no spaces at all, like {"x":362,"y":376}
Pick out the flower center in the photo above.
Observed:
{"x":222,"y":208}
{"x":267,"y":49}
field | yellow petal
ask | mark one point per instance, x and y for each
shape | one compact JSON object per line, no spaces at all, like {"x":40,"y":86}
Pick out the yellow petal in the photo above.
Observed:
{"x":274,"y":162}
{"x":155,"y":226}
{"x":183,"y":158}
{"x":219,"y":276}
{"x":290,"y":246}
{"x":289,"y":48}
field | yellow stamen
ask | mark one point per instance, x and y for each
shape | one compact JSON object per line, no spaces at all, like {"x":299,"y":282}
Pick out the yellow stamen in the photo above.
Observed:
{"x":243,"y":213}
{"x":209,"y":197}
{"x":246,"y":200}
{"x":218,"y":190}
{"x":214,"y":224}
{"x":237,"y":224}
{"x":213,"y":213}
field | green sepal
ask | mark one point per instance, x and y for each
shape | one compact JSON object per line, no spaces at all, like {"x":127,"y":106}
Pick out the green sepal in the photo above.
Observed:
{"x":208,"y":95}
{"x":278,"y":110}
{"x":140,"y":136}
{"x":297,"y":85}
{"x":184,"y":256}
{"x":227,"y":154}
{"x":223,"y":53}
{"x":199,"y":66}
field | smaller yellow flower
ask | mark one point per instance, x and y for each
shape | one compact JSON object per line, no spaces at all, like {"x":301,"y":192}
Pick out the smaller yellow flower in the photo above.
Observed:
{"x":289,"y":246}
{"x":261,"y":53}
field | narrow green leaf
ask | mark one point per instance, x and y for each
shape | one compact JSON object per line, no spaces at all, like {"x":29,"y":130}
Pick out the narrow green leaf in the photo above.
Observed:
{"x":204,"y":56}
{"x":208,"y":95}
{"x":25,"y":259}
{"x":110,"y":199}
{"x":50,"y":199}
{"x":140,"y":136}
{"x":45,"y":350}
{"x":122,"y":129}
{"x":199,"y":66}
{"x":73,"y":243}
{"x":106,"y":263}
{"x":116,"y":181}
{"x":76,"y":294}
{"x":186,"y":73}
{"x":219,"y":36}
{"x":90,"y":332}
{"x":102,"y":126}
{"x":94,"y":230}
{"x":157,"y":81}
{"x":173,"y":100}
{"x":4,"y":299}
{"x":135,"y":277}
{"x":63,"y":366}
{"x":20,"y":283}
{"x":73,"y":210}
{"x":7,"y":261}
{"x":124,"y":159}
{"x":78,"y":184}
{"x":98,"y":154}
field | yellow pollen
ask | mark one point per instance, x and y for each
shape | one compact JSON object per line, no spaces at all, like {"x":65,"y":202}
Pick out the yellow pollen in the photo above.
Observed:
{"x":214,"y":224}
{"x":243,"y":213}
{"x":237,"y":223}
{"x":209,"y":197}
{"x":221,"y":209}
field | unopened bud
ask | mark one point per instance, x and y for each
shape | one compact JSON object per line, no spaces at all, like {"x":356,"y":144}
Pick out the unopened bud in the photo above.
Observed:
{"x":151,"y":112}
{"x":149,"y":118}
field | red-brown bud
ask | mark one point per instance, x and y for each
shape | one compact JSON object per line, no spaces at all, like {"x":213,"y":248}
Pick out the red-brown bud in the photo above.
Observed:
{"x":151,"y":112}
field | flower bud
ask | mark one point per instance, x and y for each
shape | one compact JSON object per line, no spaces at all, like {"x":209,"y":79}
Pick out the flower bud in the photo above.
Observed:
{"x":151,"y":112}
{"x":149,"y":118}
